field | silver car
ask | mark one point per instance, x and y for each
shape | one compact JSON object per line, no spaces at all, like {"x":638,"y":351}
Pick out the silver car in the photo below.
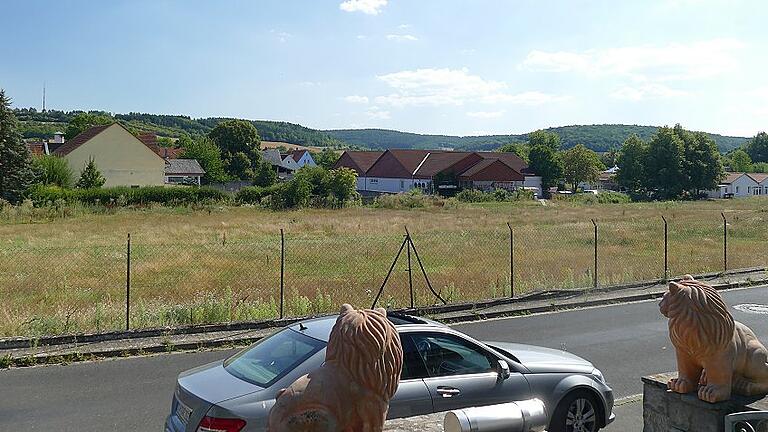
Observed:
{"x":443,"y":369}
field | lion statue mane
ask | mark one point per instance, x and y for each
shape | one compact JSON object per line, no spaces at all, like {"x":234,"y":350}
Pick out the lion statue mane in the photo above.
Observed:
{"x":350,"y":392}
{"x":715,"y":354}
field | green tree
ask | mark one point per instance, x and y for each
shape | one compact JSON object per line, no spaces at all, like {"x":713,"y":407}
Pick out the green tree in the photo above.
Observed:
{"x":757,"y":147}
{"x":317,"y":178}
{"x":83,"y":121}
{"x":760,"y":167}
{"x":740,"y":161}
{"x":53,"y":170}
{"x":208,"y":155}
{"x":265,"y":174}
{"x":542,"y":137}
{"x":342,"y":184}
{"x":581,"y":164}
{"x":631,"y":161}
{"x":520,"y":149}
{"x":664,"y":165}
{"x":546,"y":163}
{"x":610,"y":158}
{"x":702,"y":166}
{"x":239,"y":166}
{"x":90,"y":177}
{"x":16,"y":169}
{"x":326,"y":158}
{"x":236,"y":136}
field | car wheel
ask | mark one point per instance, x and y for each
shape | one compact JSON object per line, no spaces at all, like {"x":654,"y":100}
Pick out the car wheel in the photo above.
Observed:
{"x":577,"y":412}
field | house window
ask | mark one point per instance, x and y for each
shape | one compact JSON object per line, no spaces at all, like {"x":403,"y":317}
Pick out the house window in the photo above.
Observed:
{"x":737,"y":189}
{"x":402,"y":184}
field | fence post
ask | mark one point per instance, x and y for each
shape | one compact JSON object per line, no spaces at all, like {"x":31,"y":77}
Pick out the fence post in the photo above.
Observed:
{"x":511,"y":261}
{"x":595,"y":272}
{"x":725,"y":242}
{"x":282,"y":273}
{"x":128,"y":284}
{"x":666,"y":261}
{"x":410,"y":272}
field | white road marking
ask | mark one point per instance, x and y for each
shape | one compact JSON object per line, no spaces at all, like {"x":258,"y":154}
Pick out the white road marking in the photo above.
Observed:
{"x":628,"y":400}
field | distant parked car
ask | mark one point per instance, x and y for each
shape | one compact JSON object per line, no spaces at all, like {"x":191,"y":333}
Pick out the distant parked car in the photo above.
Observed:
{"x":443,"y":369}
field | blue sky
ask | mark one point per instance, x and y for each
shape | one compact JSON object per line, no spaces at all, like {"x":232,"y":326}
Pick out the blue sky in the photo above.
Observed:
{"x":462,"y":67}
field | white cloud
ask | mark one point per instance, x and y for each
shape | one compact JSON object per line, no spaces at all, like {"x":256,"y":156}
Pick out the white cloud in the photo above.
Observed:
{"x":485,"y":114}
{"x":435,"y":87}
{"x":281,"y":35}
{"x":646,"y":91}
{"x":361,"y":37}
{"x":670,"y":62}
{"x":369,"y":7}
{"x":402,"y":38}
{"x":376,"y":113}
{"x":468,"y":51}
{"x":404,"y":26}
{"x":355,"y":99}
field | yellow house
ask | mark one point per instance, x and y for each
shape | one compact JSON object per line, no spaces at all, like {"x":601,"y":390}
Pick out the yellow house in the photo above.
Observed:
{"x":122,"y":158}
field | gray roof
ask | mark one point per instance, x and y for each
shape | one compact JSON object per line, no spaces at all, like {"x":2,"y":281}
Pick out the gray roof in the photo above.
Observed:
{"x":183,"y":166}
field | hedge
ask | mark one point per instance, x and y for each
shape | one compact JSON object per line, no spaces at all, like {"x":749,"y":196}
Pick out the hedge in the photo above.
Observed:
{"x":254,"y":194}
{"x":42,"y":195}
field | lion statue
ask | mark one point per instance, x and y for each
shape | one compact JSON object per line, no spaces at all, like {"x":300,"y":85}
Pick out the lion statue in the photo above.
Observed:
{"x":350,"y":392}
{"x":715,"y":354}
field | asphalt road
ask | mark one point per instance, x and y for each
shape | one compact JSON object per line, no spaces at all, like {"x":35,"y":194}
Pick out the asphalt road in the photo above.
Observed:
{"x":624,"y":341}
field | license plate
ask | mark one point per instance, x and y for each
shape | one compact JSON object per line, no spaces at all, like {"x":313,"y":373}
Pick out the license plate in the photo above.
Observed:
{"x":183,"y":412}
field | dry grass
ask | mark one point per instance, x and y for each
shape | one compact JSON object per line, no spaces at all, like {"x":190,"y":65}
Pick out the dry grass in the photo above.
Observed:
{"x":221,"y":264}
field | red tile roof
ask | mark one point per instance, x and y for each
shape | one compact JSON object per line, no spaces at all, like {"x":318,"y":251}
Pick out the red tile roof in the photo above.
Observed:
{"x":81,"y":139}
{"x":37,"y":148}
{"x":492,"y":170}
{"x":510,"y":159}
{"x":731,"y":177}
{"x":758,"y":177}
{"x":297,"y":154}
{"x":440,"y":161}
{"x":360,"y":161}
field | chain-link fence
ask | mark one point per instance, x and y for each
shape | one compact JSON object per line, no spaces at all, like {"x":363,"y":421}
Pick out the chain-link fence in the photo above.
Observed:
{"x":146,"y":282}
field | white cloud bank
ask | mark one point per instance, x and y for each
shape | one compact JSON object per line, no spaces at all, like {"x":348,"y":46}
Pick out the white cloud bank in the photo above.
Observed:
{"x":368,"y":7}
{"x":436,"y":87}
{"x":376,"y":113}
{"x":660,"y":63}
{"x":356,"y":99}
{"x":485,"y":114}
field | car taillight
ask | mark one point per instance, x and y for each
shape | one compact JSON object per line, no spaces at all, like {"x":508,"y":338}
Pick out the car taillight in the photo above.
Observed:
{"x":213,"y":424}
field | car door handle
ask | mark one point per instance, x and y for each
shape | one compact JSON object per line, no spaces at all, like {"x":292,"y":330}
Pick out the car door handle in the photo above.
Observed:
{"x":447,"y":392}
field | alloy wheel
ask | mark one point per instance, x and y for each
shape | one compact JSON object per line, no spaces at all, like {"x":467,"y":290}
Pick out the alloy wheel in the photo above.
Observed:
{"x":581,"y":416}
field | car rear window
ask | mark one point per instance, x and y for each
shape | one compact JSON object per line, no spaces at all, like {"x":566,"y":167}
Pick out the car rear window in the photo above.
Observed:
{"x":271,"y":358}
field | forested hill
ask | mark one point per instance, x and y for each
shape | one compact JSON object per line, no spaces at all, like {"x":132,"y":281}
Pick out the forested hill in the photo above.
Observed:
{"x":596,"y":137}
{"x":36,"y":124}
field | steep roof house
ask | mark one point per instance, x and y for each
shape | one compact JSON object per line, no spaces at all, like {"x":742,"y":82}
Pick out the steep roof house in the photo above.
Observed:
{"x":123,"y":159}
{"x":400,"y":170}
{"x":302,"y":158}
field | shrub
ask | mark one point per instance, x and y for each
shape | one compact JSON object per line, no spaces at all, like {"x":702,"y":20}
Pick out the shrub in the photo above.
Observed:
{"x":254,"y":194}
{"x":53,"y":170}
{"x":498,"y":195}
{"x":605,"y":197}
{"x":43,"y":195}
{"x":408,"y":200}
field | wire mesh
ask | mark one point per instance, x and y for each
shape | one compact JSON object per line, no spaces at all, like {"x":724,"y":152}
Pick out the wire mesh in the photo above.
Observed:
{"x":53,"y":290}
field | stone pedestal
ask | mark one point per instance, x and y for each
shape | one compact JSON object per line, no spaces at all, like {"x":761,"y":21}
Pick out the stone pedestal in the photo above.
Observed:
{"x":664,"y":411}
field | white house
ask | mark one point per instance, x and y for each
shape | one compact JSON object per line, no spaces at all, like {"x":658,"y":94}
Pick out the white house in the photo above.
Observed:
{"x":303,"y":158}
{"x":400,"y":170}
{"x":737,"y":185}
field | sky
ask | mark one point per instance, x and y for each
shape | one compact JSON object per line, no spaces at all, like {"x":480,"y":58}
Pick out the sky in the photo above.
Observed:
{"x":457,"y":67}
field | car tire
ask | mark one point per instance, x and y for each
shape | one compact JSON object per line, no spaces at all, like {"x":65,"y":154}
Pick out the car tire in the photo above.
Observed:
{"x":578,"y":411}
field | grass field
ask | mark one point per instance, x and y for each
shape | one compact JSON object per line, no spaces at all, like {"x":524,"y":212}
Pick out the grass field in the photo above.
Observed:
{"x":65,"y":271}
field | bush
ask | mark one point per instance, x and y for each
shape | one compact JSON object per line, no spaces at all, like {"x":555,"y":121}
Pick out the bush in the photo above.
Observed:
{"x":254,"y":194}
{"x":408,"y":200}
{"x":605,"y":197}
{"x":53,"y":170}
{"x":174,"y":195}
{"x":498,"y":195}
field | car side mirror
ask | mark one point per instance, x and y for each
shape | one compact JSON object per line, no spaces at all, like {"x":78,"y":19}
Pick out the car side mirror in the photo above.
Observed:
{"x":504,"y":370}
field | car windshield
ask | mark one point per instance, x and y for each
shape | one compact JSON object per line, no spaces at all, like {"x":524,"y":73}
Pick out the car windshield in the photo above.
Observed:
{"x":271,"y":358}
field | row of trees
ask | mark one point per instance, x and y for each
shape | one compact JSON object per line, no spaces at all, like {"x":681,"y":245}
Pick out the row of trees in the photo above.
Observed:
{"x":570,"y":167}
{"x":752,"y":157}
{"x":675,"y":163}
